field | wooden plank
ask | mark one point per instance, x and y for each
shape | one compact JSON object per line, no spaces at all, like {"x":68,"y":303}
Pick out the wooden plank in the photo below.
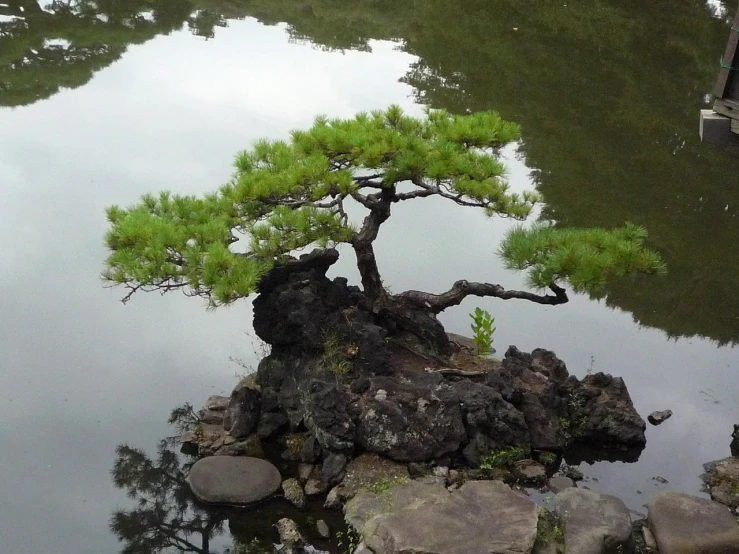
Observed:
{"x":730,"y":59}
{"x":727,"y":108}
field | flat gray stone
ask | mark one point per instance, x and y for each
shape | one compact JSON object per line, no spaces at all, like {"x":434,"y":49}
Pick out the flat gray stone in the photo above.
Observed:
{"x":217,"y":403}
{"x":323,"y":529}
{"x":480,"y":517}
{"x":233,"y":480}
{"x":594,"y":523}
{"x":559,"y":483}
{"x":684,"y":524}
{"x":391,"y":497}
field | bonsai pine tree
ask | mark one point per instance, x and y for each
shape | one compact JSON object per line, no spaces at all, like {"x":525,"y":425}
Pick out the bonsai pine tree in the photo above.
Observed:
{"x":289,"y":195}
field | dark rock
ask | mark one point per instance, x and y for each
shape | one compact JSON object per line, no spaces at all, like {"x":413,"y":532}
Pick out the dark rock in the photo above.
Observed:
{"x":609,"y":416}
{"x":546,"y":363}
{"x":213,"y":417}
{"x":233,"y":480}
{"x":293,"y":492}
{"x":270,"y":423}
{"x":242,"y":413}
{"x":734,"y":446}
{"x":655,"y":418}
{"x":542,"y":412}
{"x":594,"y":523}
{"x":412,"y":421}
{"x":250,"y":446}
{"x":684,"y":524}
{"x":418,"y":469}
{"x":490,"y":422}
{"x":573,"y":473}
{"x":311,"y":451}
{"x":189,"y":444}
{"x":332,"y":470}
{"x":326,"y":414}
{"x":530,"y":472}
{"x":514,"y":353}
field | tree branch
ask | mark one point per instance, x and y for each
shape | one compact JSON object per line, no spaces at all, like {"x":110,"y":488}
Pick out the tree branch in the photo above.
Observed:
{"x":462,"y":289}
{"x":422,"y":193}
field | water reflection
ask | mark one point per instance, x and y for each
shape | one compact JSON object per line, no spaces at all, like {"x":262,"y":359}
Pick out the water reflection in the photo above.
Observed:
{"x":49,"y":46}
{"x":167,"y":518}
{"x":607,"y":93}
{"x":166,"y":515}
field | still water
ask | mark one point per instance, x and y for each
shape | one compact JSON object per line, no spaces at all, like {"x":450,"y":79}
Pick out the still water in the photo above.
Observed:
{"x":101,"y":102}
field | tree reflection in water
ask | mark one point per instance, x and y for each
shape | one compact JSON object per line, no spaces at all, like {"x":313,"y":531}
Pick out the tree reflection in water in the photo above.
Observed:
{"x":166,"y":516}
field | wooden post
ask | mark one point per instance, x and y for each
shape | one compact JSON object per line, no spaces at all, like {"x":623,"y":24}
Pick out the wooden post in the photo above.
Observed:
{"x":728,"y":77}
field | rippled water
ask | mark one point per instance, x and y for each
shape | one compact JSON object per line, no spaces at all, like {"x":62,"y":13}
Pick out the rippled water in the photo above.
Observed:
{"x":102,"y":102}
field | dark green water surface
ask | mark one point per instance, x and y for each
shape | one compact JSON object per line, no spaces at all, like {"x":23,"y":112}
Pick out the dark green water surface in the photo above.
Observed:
{"x":103,"y":101}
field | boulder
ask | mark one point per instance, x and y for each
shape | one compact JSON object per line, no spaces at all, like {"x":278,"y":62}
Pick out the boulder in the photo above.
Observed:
{"x":656,"y":418}
{"x":242,"y":413}
{"x":391,"y":496}
{"x":722,"y":480}
{"x":270,"y":423}
{"x":250,"y":446}
{"x":332,"y":469}
{"x":608,"y":414}
{"x":684,"y":524}
{"x":413,"y":420}
{"x":217,"y":403}
{"x":368,"y":469}
{"x":214,"y":417}
{"x":293,"y":492}
{"x":530,"y":471}
{"x":459,"y":523}
{"x":233,"y":480}
{"x":326,"y":413}
{"x":594,"y":523}
{"x":490,"y":422}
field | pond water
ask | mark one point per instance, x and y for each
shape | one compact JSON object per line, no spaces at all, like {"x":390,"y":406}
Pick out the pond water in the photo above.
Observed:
{"x":101,"y":102}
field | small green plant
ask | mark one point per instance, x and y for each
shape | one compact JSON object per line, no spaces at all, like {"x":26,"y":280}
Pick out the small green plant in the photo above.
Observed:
{"x":482,"y":330}
{"x":384,"y":485}
{"x":548,"y":458}
{"x":348,"y":541}
{"x":505,"y":457}
{"x":557,"y":534}
{"x":333,"y":357}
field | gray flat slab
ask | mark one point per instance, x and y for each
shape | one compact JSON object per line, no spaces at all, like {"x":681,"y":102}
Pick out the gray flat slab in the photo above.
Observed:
{"x":233,"y":480}
{"x":685,"y":524}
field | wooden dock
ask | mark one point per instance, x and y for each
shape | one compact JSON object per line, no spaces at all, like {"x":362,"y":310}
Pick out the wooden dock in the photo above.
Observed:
{"x":719,"y":124}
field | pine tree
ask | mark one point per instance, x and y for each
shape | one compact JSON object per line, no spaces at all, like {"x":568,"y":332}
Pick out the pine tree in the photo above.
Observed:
{"x":288,"y":195}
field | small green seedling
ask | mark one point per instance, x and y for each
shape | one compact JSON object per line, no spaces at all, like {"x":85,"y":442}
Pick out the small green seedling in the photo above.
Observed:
{"x":482,"y":329}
